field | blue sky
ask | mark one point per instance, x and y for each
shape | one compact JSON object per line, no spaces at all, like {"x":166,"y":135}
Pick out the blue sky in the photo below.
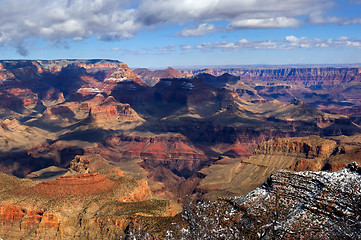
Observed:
{"x":158,"y":33}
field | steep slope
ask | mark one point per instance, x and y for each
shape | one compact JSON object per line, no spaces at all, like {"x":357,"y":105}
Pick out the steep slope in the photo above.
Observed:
{"x":151,"y":78}
{"x":289,"y":205}
{"x":219,"y":81}
{"x":52,"y":111}
{"x":209,"y":115}
{"x":333,"y":88}
{"x":171,"y":150}
{"x":233,"y":177}
{"x":302,"y":75}
{"x":307,"y":204}
{"x":92,"y":205}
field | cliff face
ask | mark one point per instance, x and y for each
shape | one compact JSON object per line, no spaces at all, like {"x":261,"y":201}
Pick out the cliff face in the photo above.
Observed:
{"x":307,"y":204}
{"x":112,"y":112}
{"x":52,"y":111}
{"x":297,"y":154}
{"x":307,"y":147}
{"x":172,"y":151}
{"x":334,"y":89}
{"x":98,"y":110}
{"x":124,"y":73}
{"x":307,"y":76}
{"x":289,"y":205}
{"x":81,"y":206}
{"x":151,"y":78}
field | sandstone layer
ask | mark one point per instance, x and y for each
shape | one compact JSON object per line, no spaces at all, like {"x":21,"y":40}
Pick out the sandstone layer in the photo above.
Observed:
{"x":169,"y":133}
{"x":83,"y":206}
{"x":289,"y":205}
{"x":232,"y":177}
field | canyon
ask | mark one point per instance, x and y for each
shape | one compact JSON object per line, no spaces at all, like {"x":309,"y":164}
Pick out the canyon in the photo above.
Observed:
{"x":291,"y":205}
{"x":330,"y":88}
{"x":130,"y":148}
{"x":97,"y":204}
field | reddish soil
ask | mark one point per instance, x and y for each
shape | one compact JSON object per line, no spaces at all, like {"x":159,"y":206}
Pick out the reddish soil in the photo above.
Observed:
{"x":72,"y":186}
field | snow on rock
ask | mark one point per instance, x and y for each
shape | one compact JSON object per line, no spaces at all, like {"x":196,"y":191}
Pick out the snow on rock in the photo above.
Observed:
{"x":289,"y":205}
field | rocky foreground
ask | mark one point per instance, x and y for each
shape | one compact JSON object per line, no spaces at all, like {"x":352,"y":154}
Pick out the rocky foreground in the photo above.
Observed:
{"x":94,"y":200}
{"x":289,"y":205}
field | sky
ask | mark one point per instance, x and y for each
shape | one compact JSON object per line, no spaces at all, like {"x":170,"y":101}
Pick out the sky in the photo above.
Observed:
{"x":159,"y":33}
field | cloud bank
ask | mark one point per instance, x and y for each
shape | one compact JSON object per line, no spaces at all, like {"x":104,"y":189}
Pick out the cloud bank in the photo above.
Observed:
{"x":60,"y":21}
{"x":289,"y":43}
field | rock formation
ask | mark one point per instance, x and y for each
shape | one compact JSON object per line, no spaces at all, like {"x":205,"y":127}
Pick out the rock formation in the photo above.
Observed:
{"x":124,"y":73}
{"x":151,"y":78}
{"x":92,"y":205}
{"x":289,"y":205}
{"x":334,"y":89}
{"x":302,"y":75}
{"x":184,"y":135}
{"x":68,"y":127}
{"x":297,"y":154}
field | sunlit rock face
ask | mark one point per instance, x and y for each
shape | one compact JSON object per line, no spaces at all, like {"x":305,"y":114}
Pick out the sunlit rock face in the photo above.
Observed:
{"x":95,"y":144}
{"x":97,"y":204}
{"x":151,"y":78}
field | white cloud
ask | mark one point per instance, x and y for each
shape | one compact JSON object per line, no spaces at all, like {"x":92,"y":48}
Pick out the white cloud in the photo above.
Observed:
{"x":274,"y":22}
{"x":201,"y":29}
{"x":318,"y":18}
{"x":240,"y":14}
{"x":167,"y":49}
{"x":147,"y":51}
{"x":4,"y":37}
{"x":290,"y":42}
{"x":160,"y":11}
{"x":61,"y":20}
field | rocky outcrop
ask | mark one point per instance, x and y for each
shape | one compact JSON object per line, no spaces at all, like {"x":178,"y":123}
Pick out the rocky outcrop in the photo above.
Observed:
{"x":289,"y":205}
{"x":306,"y":147}
{"x":59,"y":112}
{"x":306,"y":153}
{"x":83,"y":164}
{"x":5,"y":75}
{"x":123,"y":73}
{"x":151,"y":78}
{"x":305,"y":76}
{"x":70,"y":186}
{"x":93,"y":205}
{"x":311,"y":153}
{"x":98,"y":110}
{"x":172,"y":150}
{"x":112,"y":111}
{"x":307,"y":204}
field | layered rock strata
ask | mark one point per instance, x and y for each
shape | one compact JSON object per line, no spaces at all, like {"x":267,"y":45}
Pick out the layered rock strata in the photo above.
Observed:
{"x":85,"y":206}
{"x":230,"y":177}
